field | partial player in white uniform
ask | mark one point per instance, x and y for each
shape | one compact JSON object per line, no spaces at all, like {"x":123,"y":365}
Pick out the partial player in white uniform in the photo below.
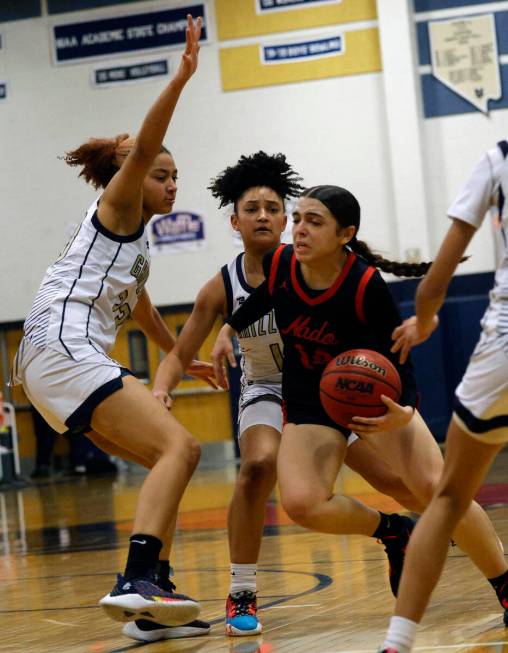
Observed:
{"x":261,"y":356}
{"x":256,"y":187}
{"x":479,"y":426}
{"x":84,"y":298}
{"x":63,"y":361}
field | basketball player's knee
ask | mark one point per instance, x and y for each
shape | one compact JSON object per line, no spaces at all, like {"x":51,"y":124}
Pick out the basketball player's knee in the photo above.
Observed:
{"x":191,"y":451}
{"x":183,"y":448}
{"x":428,"y":489}
{"x":300,"y":508}
{"x":259,"y":470}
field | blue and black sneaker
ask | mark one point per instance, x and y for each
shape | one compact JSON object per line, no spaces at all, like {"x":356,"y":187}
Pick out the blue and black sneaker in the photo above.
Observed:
{"x":241,"y":614}
{"x":142,"y":598}
{"x":149,"y":631}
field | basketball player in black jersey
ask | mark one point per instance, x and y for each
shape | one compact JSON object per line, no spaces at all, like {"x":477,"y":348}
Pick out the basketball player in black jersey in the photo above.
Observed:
{"x":328,"y":297}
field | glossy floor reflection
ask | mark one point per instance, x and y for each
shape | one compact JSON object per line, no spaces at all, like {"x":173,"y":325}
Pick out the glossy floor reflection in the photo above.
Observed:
{"x":62,"y":542}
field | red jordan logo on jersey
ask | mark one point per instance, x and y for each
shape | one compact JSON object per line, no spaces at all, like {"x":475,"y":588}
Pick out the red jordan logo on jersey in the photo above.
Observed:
{"x":300,"y":329}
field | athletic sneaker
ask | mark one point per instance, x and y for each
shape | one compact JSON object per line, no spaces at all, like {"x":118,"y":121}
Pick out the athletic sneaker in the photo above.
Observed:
{"x":388,"y":650}
{"x":395,"y":548}
{"x":141,"y":598}
{"x":241,"y":614}
{"x":502,"y":597}
{"x":149,"y":631}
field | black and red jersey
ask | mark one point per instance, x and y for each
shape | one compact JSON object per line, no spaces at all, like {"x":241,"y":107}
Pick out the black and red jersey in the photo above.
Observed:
{"x":356,"y":312}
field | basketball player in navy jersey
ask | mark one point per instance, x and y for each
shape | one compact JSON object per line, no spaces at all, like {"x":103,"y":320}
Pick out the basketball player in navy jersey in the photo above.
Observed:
{"x":63,"y":362}
{"x":479,"y":426}
{"x":328,"y":297}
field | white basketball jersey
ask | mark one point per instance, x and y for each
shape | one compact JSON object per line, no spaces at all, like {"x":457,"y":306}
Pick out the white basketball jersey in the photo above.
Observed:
{"x":487,"y":188}
{"x":90,"y":291}
{"x":260,"y":344}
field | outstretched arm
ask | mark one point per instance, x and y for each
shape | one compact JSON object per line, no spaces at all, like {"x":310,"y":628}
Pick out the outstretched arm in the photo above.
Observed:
{"x":121,"y":202}
{"x":431,"y":291}
{"x":210,"y":303}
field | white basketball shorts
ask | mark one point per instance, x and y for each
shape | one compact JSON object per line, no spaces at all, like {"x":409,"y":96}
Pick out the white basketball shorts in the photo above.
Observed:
{"x":481,"y":399}
{"x":64,"y":391}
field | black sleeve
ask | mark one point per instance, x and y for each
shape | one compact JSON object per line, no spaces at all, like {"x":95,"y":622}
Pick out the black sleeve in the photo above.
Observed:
{"x":267,"y":262}
{"x":382,"y":316}
{"x":259,"y":303}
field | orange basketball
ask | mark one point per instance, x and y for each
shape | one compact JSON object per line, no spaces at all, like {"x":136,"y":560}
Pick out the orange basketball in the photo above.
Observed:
{"x":353,"y":382}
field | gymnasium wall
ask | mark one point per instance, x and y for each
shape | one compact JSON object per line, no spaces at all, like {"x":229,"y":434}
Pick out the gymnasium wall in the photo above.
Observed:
{"x":343,"y":87}
{"x":338,"y":128}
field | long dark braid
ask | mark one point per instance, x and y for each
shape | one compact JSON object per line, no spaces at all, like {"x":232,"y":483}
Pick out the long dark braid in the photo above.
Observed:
{"x":345,"y":208}
{"x":399,"y":269}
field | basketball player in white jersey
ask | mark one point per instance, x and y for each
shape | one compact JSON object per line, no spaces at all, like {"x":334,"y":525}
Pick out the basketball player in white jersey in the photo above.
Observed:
{"x":257,"y":187}
{"x":86,"y":295}
{"x":479,"y":426}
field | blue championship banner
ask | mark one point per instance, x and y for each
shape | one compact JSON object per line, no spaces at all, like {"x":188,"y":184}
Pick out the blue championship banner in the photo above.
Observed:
{"x":302,"y":50}
{"x":114,"y":75}
{"x":121,"y":35}
{"x":352,"y":52}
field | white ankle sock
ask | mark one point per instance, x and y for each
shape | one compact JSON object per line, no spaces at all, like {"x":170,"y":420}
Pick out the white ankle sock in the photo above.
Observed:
{"x":401,"y":634}
{"x":243,"y":577}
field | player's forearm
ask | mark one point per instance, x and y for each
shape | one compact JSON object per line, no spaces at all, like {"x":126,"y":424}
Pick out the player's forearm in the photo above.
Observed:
{"x":169,"y":374}
{"x":429,"y":299}
{"x":156,"y":122}
{"x":156,"y":330}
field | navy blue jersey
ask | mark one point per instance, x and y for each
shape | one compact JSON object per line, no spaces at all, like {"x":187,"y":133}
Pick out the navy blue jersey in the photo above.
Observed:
{"x":356,"y":312}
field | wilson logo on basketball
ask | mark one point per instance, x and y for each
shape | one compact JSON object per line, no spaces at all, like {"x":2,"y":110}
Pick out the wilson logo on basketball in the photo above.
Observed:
{"x":360,"y":361}
{"x":354,"y":386}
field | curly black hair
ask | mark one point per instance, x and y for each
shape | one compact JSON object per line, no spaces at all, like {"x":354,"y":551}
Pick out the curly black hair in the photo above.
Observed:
{"x":259,"y":169}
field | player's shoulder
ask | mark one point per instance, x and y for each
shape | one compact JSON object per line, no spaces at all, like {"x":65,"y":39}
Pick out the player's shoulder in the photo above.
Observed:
{"x":361,"y":267}
{"x":212,"y":293}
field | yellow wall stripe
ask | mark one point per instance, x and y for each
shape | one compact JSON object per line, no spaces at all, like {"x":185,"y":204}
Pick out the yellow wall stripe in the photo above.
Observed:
{"x":241,"y":67}
{"x":238,"y":18}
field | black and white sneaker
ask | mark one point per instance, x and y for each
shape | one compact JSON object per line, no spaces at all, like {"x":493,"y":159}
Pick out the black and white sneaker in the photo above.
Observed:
{"x":149,"y":631}
{"x":141,"y":598}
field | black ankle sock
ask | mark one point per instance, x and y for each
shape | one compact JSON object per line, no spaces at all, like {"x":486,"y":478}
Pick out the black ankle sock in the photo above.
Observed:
{"x":163,"y":569}
{"x":500,"y":582}
{"x":389,"y":525}
{"x":143,"y":555}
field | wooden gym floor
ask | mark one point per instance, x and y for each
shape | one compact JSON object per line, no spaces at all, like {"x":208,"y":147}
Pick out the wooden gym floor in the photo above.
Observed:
{"x":62,"y":542}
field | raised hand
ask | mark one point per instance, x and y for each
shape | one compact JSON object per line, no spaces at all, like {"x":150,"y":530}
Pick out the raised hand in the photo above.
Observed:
{"x":411,"y":333}
{"x":189,"y":61}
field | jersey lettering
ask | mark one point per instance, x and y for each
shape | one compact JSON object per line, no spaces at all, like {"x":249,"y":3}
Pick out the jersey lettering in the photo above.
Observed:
{"x":122,"y":309}
{"x":300,"y":328}
{"x":277,"y":355}
{"x":140,"y":271}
